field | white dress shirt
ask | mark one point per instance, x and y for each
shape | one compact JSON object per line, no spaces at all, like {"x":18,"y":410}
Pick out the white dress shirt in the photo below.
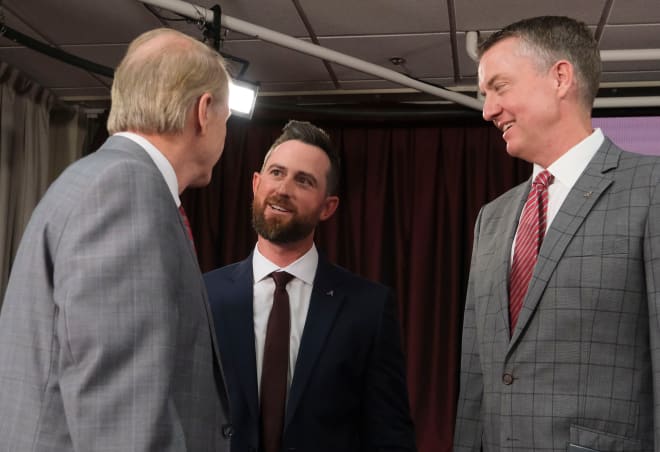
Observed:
{"x":566,"y":170}
{"x":300,"y":293}
{"x":163,"y":165}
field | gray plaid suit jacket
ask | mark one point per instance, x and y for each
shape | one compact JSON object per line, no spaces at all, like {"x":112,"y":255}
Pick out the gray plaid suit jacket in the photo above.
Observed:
{"x":582,"y":364}
{"x":106,"y":342}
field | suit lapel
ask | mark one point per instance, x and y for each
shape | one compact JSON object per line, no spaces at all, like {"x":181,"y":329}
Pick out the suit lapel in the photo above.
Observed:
{"x":519,"y":196}
{"x":589,"y":187}
{"x":238,"y":331}
{"x":323,"y":308}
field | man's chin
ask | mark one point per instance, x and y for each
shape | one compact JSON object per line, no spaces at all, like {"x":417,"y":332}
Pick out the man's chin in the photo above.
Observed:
{"x":512,"y":150}
{"x":201,"y":181}
{"x":284,"y":233}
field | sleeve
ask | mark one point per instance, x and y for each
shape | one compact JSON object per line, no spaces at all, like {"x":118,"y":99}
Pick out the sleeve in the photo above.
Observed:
{"x":117,"y":288}
{"x":388,"y":423}
{"x":468,"y":429}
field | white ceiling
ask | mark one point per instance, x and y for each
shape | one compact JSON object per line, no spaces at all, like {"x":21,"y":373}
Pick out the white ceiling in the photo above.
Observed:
{"x":428,"y":34}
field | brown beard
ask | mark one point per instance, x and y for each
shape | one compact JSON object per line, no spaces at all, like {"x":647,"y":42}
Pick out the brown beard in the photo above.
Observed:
{"x":278,"y":231}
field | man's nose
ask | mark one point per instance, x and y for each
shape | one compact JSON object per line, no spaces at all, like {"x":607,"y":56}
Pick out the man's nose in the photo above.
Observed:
{"x":284,"y":186}
{"x":490,"y":109}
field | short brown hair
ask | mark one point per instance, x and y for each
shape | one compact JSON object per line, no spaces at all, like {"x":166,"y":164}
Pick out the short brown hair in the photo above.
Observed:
{"x":308,"y":133}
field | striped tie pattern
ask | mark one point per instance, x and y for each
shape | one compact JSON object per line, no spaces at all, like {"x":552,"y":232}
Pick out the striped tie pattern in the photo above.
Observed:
{"x":529,"y":237}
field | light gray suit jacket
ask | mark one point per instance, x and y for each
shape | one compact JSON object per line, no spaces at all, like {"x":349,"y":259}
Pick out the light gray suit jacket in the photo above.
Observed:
{"x":106,"y":342}
{"x":579,"y":367}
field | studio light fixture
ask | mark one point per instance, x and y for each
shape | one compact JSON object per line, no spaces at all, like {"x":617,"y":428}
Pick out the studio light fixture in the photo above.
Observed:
{"x":242,"y":97}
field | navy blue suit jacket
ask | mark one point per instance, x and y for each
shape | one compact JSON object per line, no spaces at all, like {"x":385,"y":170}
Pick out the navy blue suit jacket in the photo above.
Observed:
{"x":348,"y":391}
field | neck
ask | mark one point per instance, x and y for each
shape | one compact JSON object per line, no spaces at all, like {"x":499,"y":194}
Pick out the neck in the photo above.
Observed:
{"x":283,"y":254}
{"x":564,"y":139}
{"x":173,"y":147}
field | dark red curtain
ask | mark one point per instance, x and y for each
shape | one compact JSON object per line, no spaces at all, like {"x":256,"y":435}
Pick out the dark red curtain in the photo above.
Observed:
{"x":409,"y":196}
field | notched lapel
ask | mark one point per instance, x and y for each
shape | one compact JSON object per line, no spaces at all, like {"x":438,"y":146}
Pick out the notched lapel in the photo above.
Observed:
{"x":238,"y":330}
{"x":324,"y":305}
{"x":584,"y":195}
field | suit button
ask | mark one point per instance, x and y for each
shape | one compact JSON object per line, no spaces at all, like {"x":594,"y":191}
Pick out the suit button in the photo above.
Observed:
{"x":507,"y":379}
{"x":227,"y":431}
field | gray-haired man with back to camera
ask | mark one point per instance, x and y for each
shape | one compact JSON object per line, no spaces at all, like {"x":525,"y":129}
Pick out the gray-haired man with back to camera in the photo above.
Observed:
{"x":106,"y":342}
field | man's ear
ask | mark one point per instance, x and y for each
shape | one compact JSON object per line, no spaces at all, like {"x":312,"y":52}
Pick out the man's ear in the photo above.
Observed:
{"x":329,"y":206}
{"x":564,"y":75}
{"x":204,"y":105}
{"x":255,"y":182}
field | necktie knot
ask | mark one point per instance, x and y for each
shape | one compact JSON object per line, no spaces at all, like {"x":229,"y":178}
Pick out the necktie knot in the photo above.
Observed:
{"x":543,"y":180}
{"x":281,"y":279}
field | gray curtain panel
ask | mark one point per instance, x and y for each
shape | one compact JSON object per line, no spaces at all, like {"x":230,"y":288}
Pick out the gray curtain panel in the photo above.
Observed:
{"x":38,"y":138}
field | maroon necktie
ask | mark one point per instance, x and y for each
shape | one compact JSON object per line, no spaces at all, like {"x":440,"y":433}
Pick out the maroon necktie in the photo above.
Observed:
{"x":529,"y":237}
{"x":186,"y":223}
{"x":275,"y":366}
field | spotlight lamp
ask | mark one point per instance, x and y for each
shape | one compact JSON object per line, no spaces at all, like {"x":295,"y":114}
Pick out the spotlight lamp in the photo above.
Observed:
{"x":242,"y":97}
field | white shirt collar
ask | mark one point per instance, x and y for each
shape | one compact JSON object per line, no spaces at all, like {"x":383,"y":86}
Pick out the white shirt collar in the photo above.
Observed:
{"x":568,"y":168}
{"x":163,"y":165}
{"x":303,"y":268}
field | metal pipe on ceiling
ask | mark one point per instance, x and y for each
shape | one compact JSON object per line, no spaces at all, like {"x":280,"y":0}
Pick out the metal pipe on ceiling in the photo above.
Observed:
{"x":630,"y":55}
{"x":627,"y":102}
{"x":265,"y":34}
{"x":472,"y":37}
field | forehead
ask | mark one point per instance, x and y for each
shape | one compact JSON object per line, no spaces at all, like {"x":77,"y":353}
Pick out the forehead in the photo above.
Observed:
{"x":298,"y":156}
{"x":502,"y":58}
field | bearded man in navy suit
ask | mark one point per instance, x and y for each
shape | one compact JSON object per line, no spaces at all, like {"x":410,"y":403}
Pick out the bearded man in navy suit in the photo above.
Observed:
{"x":344,"y":385}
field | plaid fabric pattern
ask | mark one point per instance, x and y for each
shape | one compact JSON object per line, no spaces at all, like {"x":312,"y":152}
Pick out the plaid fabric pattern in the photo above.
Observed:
{"x":579,"y":365}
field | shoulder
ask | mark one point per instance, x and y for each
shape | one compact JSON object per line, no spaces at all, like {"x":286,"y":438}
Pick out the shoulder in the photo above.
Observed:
{"x":628,"y":169}
{"x":229,"y":273}
{"x":505,"y":202}
{"x":115,"y":165}
{"x":107,"y":183}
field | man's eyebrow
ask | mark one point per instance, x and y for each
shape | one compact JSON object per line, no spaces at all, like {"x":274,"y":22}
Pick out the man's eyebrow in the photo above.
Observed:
{"x":306,"y":174}
{"x":492,"y":80}
{"x":489,"y":83}
{"x":275,"y":165}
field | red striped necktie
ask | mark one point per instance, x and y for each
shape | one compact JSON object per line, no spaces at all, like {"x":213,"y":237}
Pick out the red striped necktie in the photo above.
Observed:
{"x":529,"y":237}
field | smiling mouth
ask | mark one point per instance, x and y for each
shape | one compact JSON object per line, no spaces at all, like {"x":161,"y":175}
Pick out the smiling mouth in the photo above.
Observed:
{"x":279,"y":208}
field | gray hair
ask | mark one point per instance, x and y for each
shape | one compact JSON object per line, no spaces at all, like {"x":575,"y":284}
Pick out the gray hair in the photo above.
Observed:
{"x":553,"y":38}
{"x":160,"y":78}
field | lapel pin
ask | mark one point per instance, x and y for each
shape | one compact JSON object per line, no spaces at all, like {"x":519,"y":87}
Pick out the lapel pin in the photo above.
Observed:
{"x":588,"y":194}
{"x":330,"y":293}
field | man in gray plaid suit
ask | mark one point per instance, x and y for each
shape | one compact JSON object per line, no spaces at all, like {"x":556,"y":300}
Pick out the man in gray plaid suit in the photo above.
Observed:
{"x":579,"y":369}
{"x":106,"y":342}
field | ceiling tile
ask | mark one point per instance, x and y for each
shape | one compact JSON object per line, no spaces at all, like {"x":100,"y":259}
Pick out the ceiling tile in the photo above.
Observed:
{"x":480,"y":15}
